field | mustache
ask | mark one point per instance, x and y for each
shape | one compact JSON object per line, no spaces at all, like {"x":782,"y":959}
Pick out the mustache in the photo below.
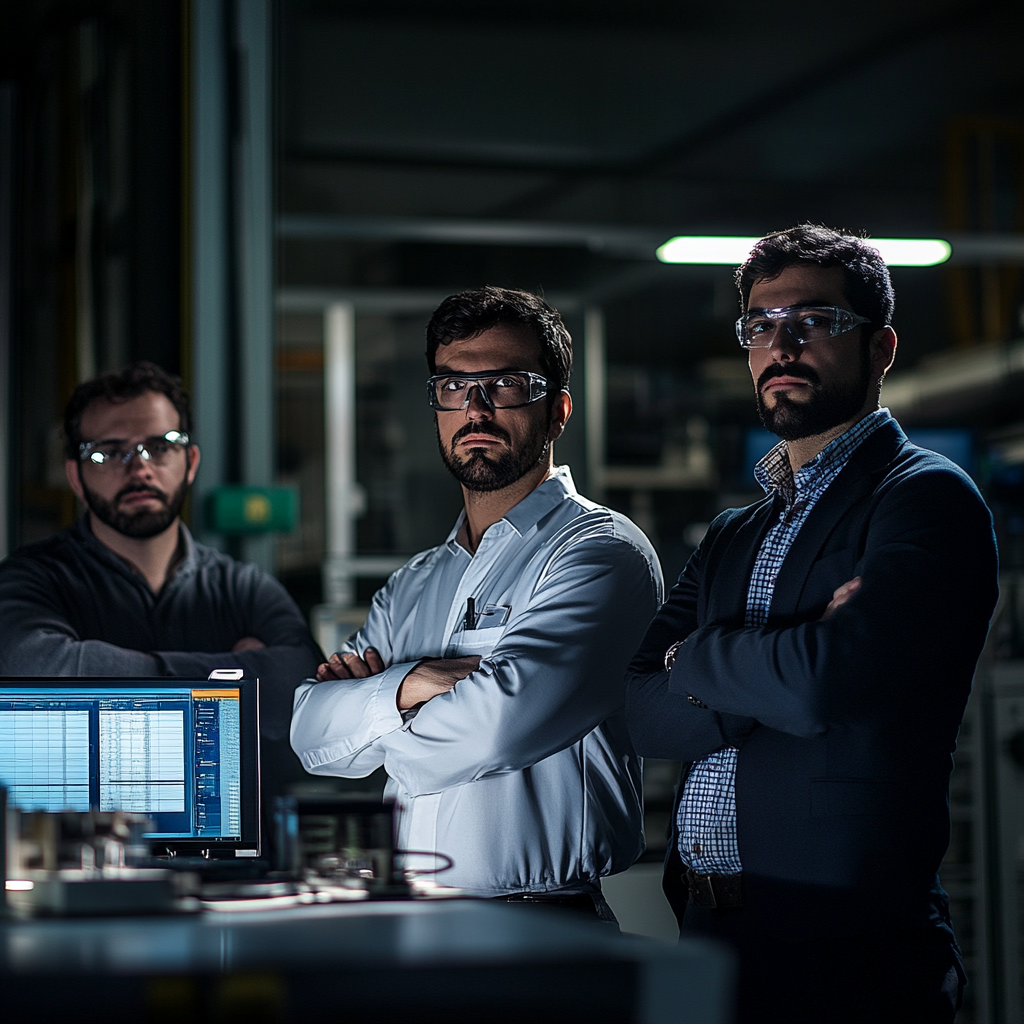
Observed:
{"x":140,"y":489}
{"x":782,"y":370}
{"x":479,"y":428}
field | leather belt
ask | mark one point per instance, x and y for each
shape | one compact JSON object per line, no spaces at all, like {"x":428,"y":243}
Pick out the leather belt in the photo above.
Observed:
{"x":714,"y":891}
{"x":579,"y":901}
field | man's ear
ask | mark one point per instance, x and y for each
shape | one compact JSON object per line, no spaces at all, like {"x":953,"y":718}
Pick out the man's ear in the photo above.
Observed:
{"x":193,"y":461}
{"x":74,"y":480}
{"x":882,"y":348}
{"x":561,"y":410}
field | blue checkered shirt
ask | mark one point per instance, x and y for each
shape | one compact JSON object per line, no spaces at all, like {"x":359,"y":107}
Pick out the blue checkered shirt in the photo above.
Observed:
{"x":707,"y":809}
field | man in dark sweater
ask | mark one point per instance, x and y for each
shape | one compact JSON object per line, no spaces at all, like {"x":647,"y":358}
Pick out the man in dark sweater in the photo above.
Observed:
{"x":126,"y":591}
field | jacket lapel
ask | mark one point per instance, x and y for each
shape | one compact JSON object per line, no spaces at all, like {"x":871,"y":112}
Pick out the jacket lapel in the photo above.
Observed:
{"x":856,"y":480}
{"x":730,"y":578}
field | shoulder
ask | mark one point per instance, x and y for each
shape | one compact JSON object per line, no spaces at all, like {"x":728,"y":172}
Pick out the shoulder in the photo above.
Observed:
{"x":581,"y":530}
{"x":417,"y":568}
{"x":217,"y":569}
{"x":920,"y":497}
{"x":61,"y":550}
{"x":729,"y":520}
{"x":918,"y":474}
{"x":413,"y":574}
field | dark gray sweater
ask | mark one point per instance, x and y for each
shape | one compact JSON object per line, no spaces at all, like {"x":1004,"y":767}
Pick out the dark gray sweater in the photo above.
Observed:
{"x":70,"y":607}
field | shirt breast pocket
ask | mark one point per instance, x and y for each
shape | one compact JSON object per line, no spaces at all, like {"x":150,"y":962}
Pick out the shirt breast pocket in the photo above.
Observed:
{"x":479,"y":642}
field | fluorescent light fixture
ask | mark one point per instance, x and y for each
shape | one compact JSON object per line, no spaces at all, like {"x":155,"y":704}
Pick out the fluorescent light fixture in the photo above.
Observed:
{"x":912,"y":252}
{"x":731,"y":250}
{"x":718,"y":249}
{"x":20,"y":885}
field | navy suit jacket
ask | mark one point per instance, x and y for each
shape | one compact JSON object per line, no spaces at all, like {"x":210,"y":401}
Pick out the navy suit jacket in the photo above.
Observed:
{"x":845,"y":727}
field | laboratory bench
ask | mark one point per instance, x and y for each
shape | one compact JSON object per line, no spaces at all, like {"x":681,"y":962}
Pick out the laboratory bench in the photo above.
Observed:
{"x":369,"y":962}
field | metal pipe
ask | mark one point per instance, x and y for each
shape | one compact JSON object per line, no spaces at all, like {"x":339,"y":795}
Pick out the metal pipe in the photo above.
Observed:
{"x":340,"y":504}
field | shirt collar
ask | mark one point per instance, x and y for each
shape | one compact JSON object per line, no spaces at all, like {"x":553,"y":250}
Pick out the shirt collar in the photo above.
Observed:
{"x":538,"y":503}
{"x":774,"y":472}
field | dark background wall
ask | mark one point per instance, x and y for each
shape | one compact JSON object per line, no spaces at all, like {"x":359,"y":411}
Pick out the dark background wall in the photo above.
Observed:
{"x":98,"y":93}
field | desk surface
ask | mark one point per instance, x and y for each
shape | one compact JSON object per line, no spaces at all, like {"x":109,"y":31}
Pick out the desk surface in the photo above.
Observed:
{"x":351,"y":943}
{"x":410,"y":934}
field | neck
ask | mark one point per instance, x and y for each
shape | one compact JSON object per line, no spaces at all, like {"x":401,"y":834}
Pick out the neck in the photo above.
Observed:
{"x":803,"y":449}
{"x":150,"y":557}
{"x":485,"y":508}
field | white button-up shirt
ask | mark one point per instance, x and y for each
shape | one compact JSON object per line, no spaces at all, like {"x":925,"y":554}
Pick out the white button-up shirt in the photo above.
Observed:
{"x":523,"y":773}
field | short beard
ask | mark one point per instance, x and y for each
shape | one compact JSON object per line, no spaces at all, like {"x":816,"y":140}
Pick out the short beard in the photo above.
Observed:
{"x":479,"y":472}
{"x":828,"y":407}
{"x":140,"y":525}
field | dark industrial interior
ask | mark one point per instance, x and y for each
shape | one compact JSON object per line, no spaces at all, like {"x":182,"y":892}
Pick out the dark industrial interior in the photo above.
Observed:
{"x":167,"y":193}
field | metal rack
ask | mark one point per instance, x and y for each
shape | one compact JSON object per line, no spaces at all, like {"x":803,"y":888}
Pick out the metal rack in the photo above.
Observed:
{"x":983,"y":871}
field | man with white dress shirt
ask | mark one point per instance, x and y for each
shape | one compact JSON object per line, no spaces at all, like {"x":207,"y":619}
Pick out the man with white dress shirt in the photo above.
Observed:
{"x":488,"y":679}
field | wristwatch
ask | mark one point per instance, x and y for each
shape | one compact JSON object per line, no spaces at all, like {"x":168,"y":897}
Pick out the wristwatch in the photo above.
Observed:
{"x":670,"y":655}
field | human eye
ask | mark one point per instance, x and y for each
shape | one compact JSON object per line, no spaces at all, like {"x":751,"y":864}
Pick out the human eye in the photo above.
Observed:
{"x":816,"y":319}
{"x":758,"y":325}
{"x":101,"y":454}
{"x":452,"y":384}
{"x":508,"y":380}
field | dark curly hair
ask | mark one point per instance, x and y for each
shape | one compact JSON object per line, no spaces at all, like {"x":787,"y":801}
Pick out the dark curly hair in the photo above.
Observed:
{"x":470,"y":313}
{"x":119,"y":386}
{"x":866,"y":278}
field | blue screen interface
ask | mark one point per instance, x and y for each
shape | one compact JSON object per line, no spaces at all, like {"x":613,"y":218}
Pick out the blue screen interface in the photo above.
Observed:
{"x":171,"y":753}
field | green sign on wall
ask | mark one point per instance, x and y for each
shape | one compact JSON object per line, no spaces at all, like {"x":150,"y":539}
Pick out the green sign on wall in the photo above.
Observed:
{"x":232,"y":509}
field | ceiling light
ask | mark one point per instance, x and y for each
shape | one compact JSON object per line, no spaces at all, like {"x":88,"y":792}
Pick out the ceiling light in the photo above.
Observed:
{"x":912,"y":252}
{"x":724,"y":249}
{"x":730,"y":250}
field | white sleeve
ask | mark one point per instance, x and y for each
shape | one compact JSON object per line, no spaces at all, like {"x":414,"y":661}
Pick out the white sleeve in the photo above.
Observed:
{"x":336,"y":726}
{"x":557,"y":672}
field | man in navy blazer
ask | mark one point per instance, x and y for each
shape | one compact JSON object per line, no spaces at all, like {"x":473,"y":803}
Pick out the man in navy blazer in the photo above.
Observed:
{"x":811,"y":667}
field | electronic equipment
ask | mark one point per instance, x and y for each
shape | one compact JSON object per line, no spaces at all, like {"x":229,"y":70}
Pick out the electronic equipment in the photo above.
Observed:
{"x":350,"y":839}
{"x":182,"y":752}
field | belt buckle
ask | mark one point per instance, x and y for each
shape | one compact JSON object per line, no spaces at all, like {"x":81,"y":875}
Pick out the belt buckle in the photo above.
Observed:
{"x":702,"y":891}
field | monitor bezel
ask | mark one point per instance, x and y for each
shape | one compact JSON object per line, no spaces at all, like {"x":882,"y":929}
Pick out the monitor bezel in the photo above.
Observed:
{"x":249,"y":845}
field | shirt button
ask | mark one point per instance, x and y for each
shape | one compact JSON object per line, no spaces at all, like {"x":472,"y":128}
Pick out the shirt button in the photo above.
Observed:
{"x":696,"y":848}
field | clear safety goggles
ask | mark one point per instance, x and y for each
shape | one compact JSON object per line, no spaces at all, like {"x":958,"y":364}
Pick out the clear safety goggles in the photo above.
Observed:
{"x":160,"y":451}
{"x":756,"y":329}
{"x":509,"y":390}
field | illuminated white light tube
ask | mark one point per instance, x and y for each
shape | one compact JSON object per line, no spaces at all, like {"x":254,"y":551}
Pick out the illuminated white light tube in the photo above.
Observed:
{"x":912,"y":252}
{"x":730,"y":250}
{"x":20,"y":885}
{"x":717,"y":249}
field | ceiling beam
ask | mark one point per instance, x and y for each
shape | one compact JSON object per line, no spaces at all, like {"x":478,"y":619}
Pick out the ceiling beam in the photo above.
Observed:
{"x":884,"y":46}
{"x":625,"y":242}
{"x":618,"y":241}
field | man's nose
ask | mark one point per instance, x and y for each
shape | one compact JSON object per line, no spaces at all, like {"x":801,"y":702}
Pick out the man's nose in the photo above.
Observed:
{"x":138,"y":466}
{"x":478,"y":404}
{"x":785,"y":346}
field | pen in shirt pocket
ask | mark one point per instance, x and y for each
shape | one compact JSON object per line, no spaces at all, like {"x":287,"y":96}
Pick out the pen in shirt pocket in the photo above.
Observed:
{"x":470,"y":613}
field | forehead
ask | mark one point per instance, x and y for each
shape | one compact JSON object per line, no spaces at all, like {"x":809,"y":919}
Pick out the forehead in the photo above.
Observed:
{"x":147,"y":415}
{"x":800,"y":285}
{"x":499,"y":348}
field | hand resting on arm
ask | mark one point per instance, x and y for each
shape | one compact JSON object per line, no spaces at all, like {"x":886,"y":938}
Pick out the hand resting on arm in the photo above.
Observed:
{"x":841,"y":596}
{"x":431,"y":677}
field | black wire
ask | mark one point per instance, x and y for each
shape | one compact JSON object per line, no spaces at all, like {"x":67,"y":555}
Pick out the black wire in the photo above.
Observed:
{"x":426,"y":853}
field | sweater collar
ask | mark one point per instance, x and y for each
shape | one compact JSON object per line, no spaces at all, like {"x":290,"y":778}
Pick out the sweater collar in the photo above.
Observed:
{"x":184,"y":561}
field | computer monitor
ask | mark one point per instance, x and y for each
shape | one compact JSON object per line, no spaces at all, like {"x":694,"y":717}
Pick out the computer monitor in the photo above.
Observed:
{"x":184,"y":752}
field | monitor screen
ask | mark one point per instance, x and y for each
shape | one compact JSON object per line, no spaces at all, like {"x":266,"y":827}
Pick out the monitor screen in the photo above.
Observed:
{"x":182,"y":752}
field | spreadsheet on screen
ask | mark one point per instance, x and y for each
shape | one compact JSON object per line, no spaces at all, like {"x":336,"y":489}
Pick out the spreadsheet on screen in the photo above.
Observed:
{"x":170,"y":752}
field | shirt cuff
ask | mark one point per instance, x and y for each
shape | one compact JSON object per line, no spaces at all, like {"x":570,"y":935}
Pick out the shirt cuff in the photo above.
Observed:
{"x":385,"y":701}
